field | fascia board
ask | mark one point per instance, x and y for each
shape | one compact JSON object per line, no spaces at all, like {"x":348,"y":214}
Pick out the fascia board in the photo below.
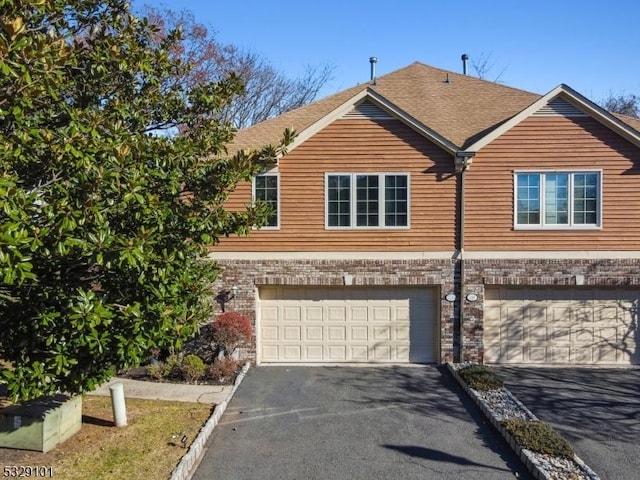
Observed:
{"x":383,"y":103}
{"x":597,"y":112}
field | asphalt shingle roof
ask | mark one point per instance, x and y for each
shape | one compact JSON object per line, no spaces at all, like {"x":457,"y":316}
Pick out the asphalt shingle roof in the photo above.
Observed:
{"x":458,"y":107}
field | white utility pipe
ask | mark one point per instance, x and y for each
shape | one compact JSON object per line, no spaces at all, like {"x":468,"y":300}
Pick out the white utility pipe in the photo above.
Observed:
{"x":117,"y":402}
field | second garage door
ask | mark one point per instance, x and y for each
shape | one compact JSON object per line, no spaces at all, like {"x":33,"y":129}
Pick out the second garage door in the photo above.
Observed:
{"x":347,"y":324}
{"x":579,"y":326}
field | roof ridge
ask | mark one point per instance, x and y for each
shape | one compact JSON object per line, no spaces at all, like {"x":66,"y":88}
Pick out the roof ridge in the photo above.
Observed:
{"x":474,"y":78}
{"x":457,"y":110}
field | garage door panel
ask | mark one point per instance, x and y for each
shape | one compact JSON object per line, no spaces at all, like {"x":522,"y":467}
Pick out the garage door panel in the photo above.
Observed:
{"x":534,"y":314}
{"x":584,"y":315}
{"x":291,"y":353}
{"x":557,"y":335}
{"x":360,"y":334}
{"x":337,"y":334}
{"x":403,"y":352}
{"x":512,"y":352}
{"x":403,"y":313}
{"x":269,"y":314}
{"x":582,"y":355}
{"x":313,"y":353}
{"x":583,"y":336}
{"x":359,"y":314}
{"x":313,"y":333}
{"x":403,"y":333}
{"x":381,"y":315}
{"x":350,"y":324}
{"x":292,"y":314}
{"x":269,"y":332}
{"x":360,"y":353}
{"x":563,"y":325}
{"x":337,"y":314}
{"x":558,"y":354}
{"x":536,"y":334}
{"x":381,"y":334}
{"x":382,"y":353}
{"x":336,"y":353}
{"x":537,"y":354}
{"x":560,"y":315}
{"x":606,"y":354}
{"x":314,"y":314}
{"x":292,"y":333}
{"x":512,"y":331}
{"x":514,"y":314}
{"x":269,"y":352}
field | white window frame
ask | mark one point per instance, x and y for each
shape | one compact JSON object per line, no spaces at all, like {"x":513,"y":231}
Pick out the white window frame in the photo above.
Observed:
{"x":542,"y":225}
{"x":353,"y":201}
{"x":253,"y":198}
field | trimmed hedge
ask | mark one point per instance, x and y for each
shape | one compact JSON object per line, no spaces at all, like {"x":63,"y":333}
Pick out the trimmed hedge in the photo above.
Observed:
{"x":480,"y":377}
{"x":539,"y":437}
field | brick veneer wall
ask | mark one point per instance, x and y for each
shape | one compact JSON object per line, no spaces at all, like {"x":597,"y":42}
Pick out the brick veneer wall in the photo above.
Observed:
{"x":535,"y":272}
{"x":246,"y":275}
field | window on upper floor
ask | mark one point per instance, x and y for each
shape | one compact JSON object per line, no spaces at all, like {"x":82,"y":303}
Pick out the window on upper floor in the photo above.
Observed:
{"x":266,"y":189}
{"x":367,"y":200}
{"x":558,"y":200}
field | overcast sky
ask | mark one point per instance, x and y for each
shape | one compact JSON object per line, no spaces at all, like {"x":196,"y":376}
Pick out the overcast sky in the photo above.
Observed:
{"x":593,"y":46}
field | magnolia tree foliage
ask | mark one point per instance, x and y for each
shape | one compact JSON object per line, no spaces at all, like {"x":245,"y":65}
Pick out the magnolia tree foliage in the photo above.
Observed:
{"x":105,"y":213}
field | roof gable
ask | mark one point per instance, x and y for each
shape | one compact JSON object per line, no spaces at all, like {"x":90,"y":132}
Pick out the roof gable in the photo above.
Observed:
{"x":448,"y":107}
{"x":565,"y":101}
{"x":457,"y":112}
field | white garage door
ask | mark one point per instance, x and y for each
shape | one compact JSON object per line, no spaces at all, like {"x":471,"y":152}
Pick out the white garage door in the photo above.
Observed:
{"x":578,"y":326}
{"x":347,"y":324}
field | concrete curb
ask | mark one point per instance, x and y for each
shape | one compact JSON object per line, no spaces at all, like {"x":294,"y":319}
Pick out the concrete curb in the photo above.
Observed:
{"x":190,"y":461}
{"x":526,"y":456}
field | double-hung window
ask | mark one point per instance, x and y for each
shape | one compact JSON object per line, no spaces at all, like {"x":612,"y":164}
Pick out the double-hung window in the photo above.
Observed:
{"x":557,"y":200}
{"x":367,"y":200}
{"x":266,"y":189}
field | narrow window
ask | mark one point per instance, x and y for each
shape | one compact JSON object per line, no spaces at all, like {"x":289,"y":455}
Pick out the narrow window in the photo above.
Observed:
{"x":265,"y":189}
{"x":396,"y":211}
{"x":367,"y":201}
{"x":585,"y":199}
{"x":556,"y":188}
{"x":339,"y":200}
{"x":528,"y":199}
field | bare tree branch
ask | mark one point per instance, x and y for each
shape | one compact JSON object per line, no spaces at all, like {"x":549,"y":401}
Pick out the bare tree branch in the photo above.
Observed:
{"x":268,"y":92}
{"x":482,"y":66}
{"x":626,"y":104}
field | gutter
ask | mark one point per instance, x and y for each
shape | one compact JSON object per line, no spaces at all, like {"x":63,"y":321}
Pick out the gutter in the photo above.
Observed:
{"x":463,"y":162}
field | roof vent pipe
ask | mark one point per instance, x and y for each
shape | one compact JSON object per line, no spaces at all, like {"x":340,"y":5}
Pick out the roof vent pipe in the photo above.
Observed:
{"x":464,"y":58}
{"x":373,"y":61}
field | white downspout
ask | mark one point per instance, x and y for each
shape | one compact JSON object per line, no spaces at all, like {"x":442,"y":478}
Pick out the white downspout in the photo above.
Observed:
{"x":463,"y":163}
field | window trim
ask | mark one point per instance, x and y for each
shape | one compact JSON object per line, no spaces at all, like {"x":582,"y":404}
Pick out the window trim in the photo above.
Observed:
{"x":569,"y":226}
{"x":353,"y":201}
{"x":253,"y":198}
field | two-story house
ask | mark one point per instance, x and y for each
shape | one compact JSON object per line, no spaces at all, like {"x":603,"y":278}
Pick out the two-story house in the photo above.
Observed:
{"x":428,"y":216}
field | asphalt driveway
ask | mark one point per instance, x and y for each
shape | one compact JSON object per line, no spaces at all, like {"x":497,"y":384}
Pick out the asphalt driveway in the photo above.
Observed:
{"x":354,"y":423}
{"x":597,"y":410}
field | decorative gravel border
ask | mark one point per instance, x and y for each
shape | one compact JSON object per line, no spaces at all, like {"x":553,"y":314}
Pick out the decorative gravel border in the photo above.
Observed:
{"x":557,"y":469}
{"x":190,"y":461}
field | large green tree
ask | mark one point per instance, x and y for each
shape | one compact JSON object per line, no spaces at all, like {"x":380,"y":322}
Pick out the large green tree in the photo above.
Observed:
{"x":105,"y":211}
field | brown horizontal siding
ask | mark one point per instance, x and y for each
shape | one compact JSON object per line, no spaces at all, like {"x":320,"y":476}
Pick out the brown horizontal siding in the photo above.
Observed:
{"x":353,"y":146}
{"x":553,"y":143}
